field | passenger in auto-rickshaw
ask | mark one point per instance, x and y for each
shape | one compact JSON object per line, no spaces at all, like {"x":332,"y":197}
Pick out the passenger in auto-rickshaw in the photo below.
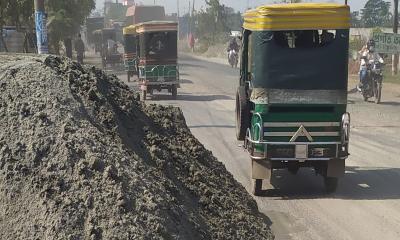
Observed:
{"x":156,"y":43}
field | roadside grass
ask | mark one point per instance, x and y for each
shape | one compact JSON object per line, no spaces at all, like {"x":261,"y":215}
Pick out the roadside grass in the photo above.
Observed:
{"x":387,"y":76}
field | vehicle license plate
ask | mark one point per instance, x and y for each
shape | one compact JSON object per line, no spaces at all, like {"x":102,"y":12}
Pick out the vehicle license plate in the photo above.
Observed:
{"x":301,"y":151}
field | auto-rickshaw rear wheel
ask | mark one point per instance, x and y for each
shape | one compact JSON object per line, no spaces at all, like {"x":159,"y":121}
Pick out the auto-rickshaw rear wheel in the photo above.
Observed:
{"x":129,"y":77}
{"x":257,"y":187}
{"x":143,"y":95}
{"x":331,"y":184}
{"x":174,"y":91}
{"x":242,"y":113}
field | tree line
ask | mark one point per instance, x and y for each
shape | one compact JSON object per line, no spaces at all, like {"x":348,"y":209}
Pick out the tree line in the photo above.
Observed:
{"x":64,"y":18}
{"x":376,"y":13}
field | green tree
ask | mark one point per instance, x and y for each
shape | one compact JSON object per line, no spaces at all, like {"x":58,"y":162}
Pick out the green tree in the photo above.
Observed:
{"x":355,"y":19}
{"x":65,"y":19}
{"x":117,"y":12}
{"x":376,"y":13}
{"x":3,"y":19}
{"x":18,"y":13}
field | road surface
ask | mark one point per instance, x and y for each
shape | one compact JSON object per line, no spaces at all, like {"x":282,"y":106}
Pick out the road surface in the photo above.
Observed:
{"x":367,"y":203}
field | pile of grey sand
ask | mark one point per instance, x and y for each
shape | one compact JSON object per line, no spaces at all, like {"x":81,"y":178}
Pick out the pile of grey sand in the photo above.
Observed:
{"x":81,"y":158}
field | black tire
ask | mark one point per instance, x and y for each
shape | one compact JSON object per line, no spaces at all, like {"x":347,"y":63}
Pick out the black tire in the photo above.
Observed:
{"x":242,"y":113}
{"x":331,"y":184}
{"x":293,"y":169}
{"x":143,"y":96}
{"x":378,"y":93}
{"x":174,"y":91}
{"x":257,"y":187}
{"x":365,"y":97}
{"x":129,"y":77}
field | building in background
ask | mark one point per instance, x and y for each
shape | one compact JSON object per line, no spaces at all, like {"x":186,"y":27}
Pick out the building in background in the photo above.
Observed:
{"x":138,"y":14}
{"x":129,"y":2}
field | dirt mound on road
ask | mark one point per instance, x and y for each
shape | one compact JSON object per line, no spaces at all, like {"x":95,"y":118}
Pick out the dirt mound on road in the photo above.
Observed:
{"x":80,"y":158}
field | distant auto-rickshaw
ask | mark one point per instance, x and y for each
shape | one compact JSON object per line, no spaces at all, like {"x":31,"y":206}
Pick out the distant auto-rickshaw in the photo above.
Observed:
{"x":97,"y":38}
{"x":109,"y":51}
{"x":130,"y":55}
{"x":158,"y":57}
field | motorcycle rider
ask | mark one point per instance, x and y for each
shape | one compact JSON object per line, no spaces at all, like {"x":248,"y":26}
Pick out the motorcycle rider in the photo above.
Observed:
{"x":233,"y":46}
{"x":368,"y":55}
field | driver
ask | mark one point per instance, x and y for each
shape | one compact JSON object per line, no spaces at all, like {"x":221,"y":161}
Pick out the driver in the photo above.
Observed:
{"x":368,"y":55}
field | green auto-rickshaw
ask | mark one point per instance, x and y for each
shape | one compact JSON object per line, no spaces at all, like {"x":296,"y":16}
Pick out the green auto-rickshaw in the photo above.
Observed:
{"x":109,"y":49}
{"x":158,"y":57}
{"x":130,"y":55}
{"x":292,"y":99}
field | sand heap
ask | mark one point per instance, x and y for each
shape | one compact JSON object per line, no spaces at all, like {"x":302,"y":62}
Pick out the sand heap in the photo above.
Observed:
{"x":81,"y":158}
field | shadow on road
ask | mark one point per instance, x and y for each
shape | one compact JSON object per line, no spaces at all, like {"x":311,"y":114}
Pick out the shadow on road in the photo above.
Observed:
{"x":212,"y":126}
{"x":352,"y":91}
{"x":358,"y":184}
{"x":185,"y":81}
{"x":191,"y":65}
{"x":192,"y":98}
{"x":390,"y":103}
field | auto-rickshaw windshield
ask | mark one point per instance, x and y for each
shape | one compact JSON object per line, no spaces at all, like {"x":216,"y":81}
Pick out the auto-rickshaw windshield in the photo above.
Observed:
{"x":304,"y":60}
{"x":160,"y":45}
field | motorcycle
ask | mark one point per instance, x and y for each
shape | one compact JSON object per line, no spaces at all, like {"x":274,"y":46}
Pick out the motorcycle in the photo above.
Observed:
{"x":373,"y":86}
{"x":233,"y":58}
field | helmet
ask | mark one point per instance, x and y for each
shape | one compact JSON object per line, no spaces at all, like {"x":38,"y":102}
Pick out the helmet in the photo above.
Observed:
{"x":371,"y":45}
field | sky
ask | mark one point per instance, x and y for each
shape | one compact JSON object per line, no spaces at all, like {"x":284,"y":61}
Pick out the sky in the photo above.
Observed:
{"x":239,"y":5}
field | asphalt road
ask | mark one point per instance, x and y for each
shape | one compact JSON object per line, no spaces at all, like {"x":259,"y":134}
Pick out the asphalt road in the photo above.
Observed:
{"x":366,"y":205}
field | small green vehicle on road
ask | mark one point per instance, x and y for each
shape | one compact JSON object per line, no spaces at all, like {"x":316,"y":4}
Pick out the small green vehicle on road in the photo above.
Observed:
{"x":130,"y":47}
{"x":292,"y":99}
{"x":109,"y":48}
{"x":158,"y":57}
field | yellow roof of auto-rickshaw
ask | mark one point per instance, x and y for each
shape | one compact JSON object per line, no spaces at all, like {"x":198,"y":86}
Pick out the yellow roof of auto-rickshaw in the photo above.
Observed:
{"x":129,"y":30}
{"x":298,"y":16}
{"x":156,"y":26}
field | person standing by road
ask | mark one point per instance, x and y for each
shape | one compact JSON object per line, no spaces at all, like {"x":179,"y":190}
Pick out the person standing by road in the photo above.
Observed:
{"x":80,"y":49}
{"x":191,"y":41}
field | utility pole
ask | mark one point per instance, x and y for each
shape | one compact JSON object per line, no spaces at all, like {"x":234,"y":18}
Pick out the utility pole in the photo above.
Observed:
{"x":177,"y":9}
{"x":189,"y":19}
{"x":41,"y":28}
{"x":395,"y":59}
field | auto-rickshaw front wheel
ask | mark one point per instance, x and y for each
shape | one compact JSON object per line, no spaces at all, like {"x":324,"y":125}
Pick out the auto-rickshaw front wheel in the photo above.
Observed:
{"x":242,"y":113}
{"x":331,"y":184}
{"x":257,"y":187}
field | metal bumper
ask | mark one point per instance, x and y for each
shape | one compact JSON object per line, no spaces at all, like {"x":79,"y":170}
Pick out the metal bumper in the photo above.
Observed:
{"x":148,"y":83}
{"x":300,"y":150}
